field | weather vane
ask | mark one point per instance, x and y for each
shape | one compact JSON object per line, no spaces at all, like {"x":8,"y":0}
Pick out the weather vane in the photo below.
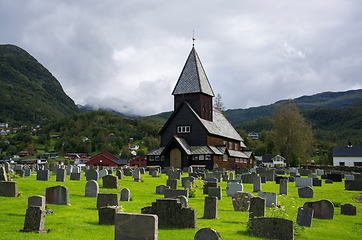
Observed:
{"x":193,"y":37}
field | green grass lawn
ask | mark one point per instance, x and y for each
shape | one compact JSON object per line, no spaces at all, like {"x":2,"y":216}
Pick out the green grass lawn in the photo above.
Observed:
{"x":80,"y":219}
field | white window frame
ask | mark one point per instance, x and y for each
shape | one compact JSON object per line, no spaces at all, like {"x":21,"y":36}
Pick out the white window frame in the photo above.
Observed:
{"x":225,"y":157}
{"x":152,"y":158}
{"x":183,"y":129}
{"x":230,"y":145}
{"x":162,"y":158}
{"x":207,"y":157}
{"x":157,"y":158}
{"x":201,"y":157}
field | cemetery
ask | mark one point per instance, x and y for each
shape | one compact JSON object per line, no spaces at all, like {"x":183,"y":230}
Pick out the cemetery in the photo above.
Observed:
{"x":137,"y":205}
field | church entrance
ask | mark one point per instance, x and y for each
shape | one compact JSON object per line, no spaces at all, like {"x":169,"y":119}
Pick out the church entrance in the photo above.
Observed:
{"x":175,"y":158}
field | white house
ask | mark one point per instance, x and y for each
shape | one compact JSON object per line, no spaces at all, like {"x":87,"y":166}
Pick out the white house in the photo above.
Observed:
{"x":347,"y":155}
{"x":253,"y":135}
{"x":274,"y":161}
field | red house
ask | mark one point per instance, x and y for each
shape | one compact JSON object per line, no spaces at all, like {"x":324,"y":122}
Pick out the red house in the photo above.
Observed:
{"x":138,"y":161}
{"x":106,"y":159}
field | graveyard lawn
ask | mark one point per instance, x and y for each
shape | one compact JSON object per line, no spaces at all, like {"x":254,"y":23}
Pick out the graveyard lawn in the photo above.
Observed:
{"x":79,"y":220}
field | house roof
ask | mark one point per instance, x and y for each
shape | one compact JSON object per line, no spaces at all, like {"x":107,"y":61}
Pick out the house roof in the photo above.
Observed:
{"x":193,"y":78}
{"x":237,"y":154}
{"x":347,"y":151}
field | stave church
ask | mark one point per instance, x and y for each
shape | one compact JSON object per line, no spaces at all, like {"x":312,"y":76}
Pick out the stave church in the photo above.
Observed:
{"x":196,"y":134}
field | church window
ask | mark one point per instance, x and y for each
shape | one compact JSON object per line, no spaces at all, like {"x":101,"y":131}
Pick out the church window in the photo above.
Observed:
{"x":152,"y":158}
{"x":201,"y":157}
{"x":183,"y":129}
{"x":195,"y":157}
{"x":207,"y":157}
{"x":230,"y":145}
{"x":225,"y":157}
{"x":157,"y":158}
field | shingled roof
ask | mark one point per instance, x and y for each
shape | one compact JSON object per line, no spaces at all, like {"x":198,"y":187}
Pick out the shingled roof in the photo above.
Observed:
{"x":193,"y":78}
{"x":347,"y":151}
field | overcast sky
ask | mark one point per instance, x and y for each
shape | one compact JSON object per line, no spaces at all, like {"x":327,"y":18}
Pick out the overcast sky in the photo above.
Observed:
{"x":128,"y":54}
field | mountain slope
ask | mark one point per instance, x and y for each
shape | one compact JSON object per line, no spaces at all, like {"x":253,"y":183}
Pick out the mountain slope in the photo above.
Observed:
{"x":322,"y":100}
{"x":29,"y":93}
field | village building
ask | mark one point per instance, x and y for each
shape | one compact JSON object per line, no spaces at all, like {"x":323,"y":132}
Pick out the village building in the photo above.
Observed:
{"x":138,"y":161}
{"x":106,"y":159}
{"x":273,"y":161}
{"x":253,"y":136}
{"x":195,"y":133}
{"x":347,"y":155}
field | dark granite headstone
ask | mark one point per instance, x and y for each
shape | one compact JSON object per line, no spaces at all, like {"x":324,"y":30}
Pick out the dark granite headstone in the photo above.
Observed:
{"x":305,"y":217}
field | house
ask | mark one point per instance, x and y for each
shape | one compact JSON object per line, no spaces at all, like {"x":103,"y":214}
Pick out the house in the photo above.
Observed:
{"x":273,"y":161}
{"x":106,"y":159}
{"x":4,"y":125}
{"x":347,"y":155}
{"x":253,"y":136}
{"x":138,"y":161}
{"x":23,"y":154}
{"x":195,"y":133}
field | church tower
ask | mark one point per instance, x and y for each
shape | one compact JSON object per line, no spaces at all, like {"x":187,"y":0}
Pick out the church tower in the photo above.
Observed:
{"x":194,"y":88}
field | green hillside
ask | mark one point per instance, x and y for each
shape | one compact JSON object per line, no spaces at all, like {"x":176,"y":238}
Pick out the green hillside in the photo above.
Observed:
{"x":29,"y":93}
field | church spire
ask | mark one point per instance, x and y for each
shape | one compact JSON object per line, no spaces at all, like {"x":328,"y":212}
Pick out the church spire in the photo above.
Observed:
{"x":193,"y":78}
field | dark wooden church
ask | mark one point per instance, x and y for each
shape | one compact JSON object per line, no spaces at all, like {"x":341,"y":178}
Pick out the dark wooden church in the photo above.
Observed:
{"x":197,"y":134}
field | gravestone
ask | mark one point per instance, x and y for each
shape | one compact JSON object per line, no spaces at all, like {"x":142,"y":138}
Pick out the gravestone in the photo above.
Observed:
{"x":233,"y":187}
{"x":247,"y":177}
{"x":207,"y":185}
{"x":349,"y":177}
{"x":34,"y":220}
{"x":107,"y":199}
{"x":36,"y":201}
{"x":171,"y":213}
{"x":161,"y":189}
{"x":7,"y":167}
{"x":61,"y":175}
{"x":256,"y":184}
{"x":355,"y":185}
{"x":75,"y":176}
{"x":107,"y":215}
{"x":155,"y":173}
{"x":183,"y":199}
{"x":291,"y":179}
{"x":190,"y":169}
{"x":348,"y":209}
{"x":127,"y":172}
{"x":231,"y":177}
{"x":271,"y":198}
{"x":304,"y":182}
{"x":215,"y":191}
{"x":323,"y":209}
{"x":306,"y":192}
{"x":125,"y":195}
{"x":58,"y":195}
{"x":8,"y":189}
{"x":304,"y":172}
{"x":335,"y":177}
{"x":171,"y":193}
{"x":305,"y":217}
{"x":207,"y":234}
{"x":136,"y":175}
{"x":3,"y":176}
{"x":92,"y":175}
{"x":283,"y":187}
{"x":317,"y":182}
{"x":257,"y":207}
{"x":142,"y":170}
{"x":20,"y":172}
{"x":136,"y":226}
{"x":69,"y":169}
{"x":184,"y":179}
{"x":241,"y":201}
{"x":119,"y":174}
{"x":225,"y":178}
{"x":27,"y":172}
{"x":273,"y":228}
{"x":42,"y":175}
{"x":211,"y":207}
{"x":278,"y":178}
{"x":103,"y":173}
{"x":328,"y":181}
{"x":172,"y":183}
{"x":76,"y":169}
{"x":91,"y":189}
{"x":110,"y":181}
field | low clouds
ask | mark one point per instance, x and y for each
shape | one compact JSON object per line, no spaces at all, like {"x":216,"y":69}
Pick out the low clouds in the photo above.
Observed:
{"x":127,"y":55}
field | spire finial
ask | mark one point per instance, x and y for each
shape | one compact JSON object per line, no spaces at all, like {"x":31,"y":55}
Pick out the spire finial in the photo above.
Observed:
{"x":193,"y":38}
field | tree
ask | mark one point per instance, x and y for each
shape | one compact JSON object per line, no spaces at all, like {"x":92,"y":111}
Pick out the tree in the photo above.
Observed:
{"x":293,"y":136}
{"x":11,"y":150}
{"x":218,"y":104}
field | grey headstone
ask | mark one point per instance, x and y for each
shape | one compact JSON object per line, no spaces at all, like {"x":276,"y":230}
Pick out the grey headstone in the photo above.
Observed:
{"x":173,"y":183}
{"x":256,"y":184}
{"x":42,"y":175}
{"x":61,"y":175}
{"x":304,"y":182}
{"x":305,"y":217}
{"x":184,"y":179}
{"x":110,"y":181}
{"x":107,"y":215}
{"x":271,"y":198}
{"x":323,"y":209}
{"x":137,"y":175}
{"x":171,"y":193}
{"x":257,"y":207}
{"x":119,"y":174}
{"x":91,"y":189}
{"x":161,"y":189}
{"x":125,"y":195}
{"x":8,"y":189}
{"x":233,"y":187}
{"x":215,"y":191}
{"x":92,"y":175}
{"x":306,"y":192}
{"x":207,"y":234}
{"x":107,"y":199}
{"x":27,"y":172}
{"x":34,"y":219}
{"x":75,"y":176}
{"x":211,"y":207}
{"x":102,"y":173}
{"x":36,"y":201}
{"x":136,"y":226}
{"x":3,"y":176}
{"x":241,"y":201}
{"x":348,"y":209}
{"x":272,"y":228}
{"x":184,"y":200}
{"x":58,"y":195}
